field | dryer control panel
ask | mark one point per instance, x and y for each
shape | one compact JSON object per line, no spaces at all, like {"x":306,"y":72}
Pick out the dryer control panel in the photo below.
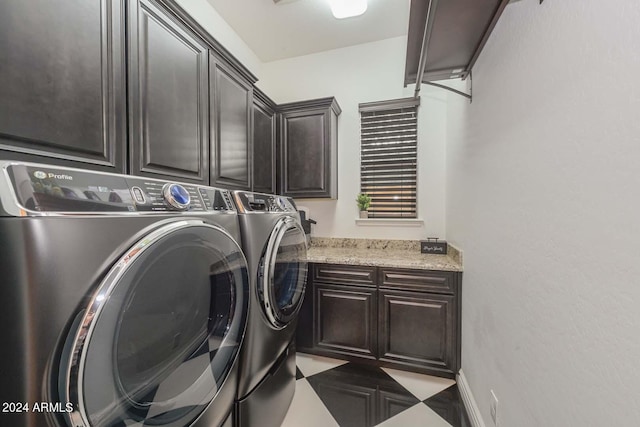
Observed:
{"x":258,"y":202}
{"x":52,"y":189}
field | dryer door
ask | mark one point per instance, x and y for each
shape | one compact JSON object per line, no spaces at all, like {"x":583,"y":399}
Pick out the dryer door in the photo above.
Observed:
{"x":161,"y":333}
{"x":284,"y":273}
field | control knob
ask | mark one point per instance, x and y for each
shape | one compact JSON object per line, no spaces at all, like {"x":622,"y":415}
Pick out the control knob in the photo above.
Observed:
{"x":281,"y":204}
{"x":176,"y":196}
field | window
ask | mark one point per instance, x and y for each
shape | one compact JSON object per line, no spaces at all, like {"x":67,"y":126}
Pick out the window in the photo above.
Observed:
{"x":388,"y":156}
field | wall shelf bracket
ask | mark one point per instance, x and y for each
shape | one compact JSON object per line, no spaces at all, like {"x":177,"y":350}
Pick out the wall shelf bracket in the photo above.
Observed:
{"x":469,"y":95}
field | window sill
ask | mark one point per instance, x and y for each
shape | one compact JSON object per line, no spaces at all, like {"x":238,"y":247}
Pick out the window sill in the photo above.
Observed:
{"x":400,"y":222}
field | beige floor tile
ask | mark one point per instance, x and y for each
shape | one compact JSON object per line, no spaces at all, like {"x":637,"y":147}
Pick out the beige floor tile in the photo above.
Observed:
{"x":422,"y":386}
{"x":311,"y":364}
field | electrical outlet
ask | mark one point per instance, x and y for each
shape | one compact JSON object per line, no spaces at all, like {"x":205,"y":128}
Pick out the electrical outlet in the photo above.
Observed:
{"x":493,"y":408}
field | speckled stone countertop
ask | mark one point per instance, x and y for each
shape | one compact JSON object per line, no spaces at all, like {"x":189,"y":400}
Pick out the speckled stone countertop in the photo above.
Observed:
{"x":381,"y":253}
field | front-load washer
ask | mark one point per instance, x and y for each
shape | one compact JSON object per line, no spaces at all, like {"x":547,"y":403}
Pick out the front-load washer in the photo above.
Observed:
{"x":276,"y":249}
{"x":123,"y":300}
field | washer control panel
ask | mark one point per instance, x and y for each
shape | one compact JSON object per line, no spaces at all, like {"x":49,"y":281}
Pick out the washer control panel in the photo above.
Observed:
{"x":46,"y":188}
{"x":216,"y":199}
{"x":278,"y":204}
{"x":258,"y":202}
{"x":152,"y":195}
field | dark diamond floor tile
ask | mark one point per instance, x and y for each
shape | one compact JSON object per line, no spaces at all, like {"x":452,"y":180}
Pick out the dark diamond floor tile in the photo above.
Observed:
{"x":448,"y":404}
{"x":360,"y":396}
{"x":298,"y":374}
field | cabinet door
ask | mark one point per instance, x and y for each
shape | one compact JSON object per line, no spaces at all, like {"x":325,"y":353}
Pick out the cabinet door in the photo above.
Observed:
{"x":231,"y":98}
{"x":62,"y":87}
{"x":264,"y":147}
{"x":345,"y":320}
{"x":309,"y":138}
{"x":418,"y":330}
{"x":168,"y":94}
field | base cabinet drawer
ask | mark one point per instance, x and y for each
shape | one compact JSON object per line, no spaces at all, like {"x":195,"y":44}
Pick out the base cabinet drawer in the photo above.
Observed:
{"x":346,"y":320}
{"x":417,"y":329}
{"x":338,"y":274}
{"x":441,"y":282}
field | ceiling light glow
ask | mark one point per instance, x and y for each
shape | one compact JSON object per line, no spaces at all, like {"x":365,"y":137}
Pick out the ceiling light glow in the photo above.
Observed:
{"x":347,"y":8}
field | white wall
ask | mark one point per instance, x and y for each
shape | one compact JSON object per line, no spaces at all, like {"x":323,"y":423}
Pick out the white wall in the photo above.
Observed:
{"x":211,"y":21}
{"x":543,"y":195}
{"x":365,"y":73}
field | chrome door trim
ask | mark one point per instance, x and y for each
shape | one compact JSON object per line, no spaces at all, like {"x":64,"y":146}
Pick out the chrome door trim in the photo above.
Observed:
{"x":84,"y":331}
{"x":282,"y":226}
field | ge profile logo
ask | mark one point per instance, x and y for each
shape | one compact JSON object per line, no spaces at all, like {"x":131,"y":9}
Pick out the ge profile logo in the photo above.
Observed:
{"x":40,"y":174}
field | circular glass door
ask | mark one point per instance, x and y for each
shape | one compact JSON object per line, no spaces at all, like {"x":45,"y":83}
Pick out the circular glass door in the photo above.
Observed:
{"x":161,"y":332}
{"x":281,"y":287}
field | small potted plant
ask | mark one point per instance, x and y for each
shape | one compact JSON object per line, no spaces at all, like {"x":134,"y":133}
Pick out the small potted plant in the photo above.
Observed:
{"x":363,"y":200}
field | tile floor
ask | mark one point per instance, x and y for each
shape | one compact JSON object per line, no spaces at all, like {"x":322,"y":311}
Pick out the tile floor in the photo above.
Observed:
{"x":331,"y":392}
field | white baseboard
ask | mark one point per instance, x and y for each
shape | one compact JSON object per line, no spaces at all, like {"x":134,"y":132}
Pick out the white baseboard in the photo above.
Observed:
{"x":469,"y":402}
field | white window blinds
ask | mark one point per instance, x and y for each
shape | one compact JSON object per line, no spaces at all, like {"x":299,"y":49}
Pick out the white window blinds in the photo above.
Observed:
{"x":388,"y":156}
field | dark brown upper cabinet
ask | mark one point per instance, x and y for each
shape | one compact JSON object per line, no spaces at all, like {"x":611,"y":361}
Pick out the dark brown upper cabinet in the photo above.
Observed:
{"x":309,"y":148}
{"x":449,"y":36}
{"x":264,"y":143}
{"x":231,"y":106}
{"x":62,"y":82}
{"x":168,"y":96}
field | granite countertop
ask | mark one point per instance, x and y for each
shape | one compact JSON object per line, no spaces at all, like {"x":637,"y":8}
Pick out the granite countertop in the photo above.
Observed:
{"x":381,"y":253}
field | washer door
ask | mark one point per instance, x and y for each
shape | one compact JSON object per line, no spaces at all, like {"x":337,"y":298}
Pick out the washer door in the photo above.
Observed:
{"x":284,"y":273}
{"x":162,"y":331}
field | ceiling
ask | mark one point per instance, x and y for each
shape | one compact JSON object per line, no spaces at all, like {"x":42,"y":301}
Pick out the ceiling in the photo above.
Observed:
{"x":301,"y":27}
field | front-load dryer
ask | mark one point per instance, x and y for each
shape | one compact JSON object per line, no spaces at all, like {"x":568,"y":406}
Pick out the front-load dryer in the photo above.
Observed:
{"x":276,"y":250}
{"x":123,"y":300}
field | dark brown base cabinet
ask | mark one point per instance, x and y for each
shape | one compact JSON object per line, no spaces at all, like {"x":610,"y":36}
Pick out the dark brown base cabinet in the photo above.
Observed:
{"x":401,"y":318}
{"x":415,"y":329}
{"x":354,"y":306}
